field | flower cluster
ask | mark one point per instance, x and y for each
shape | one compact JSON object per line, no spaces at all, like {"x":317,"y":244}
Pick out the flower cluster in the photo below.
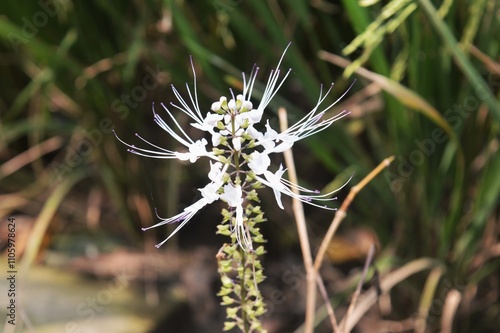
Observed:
{"x":239,"y":150}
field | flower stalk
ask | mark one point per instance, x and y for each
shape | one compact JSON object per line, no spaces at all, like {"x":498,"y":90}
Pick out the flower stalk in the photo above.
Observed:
{"x":241,"y":272}
{"x":239,"y":148}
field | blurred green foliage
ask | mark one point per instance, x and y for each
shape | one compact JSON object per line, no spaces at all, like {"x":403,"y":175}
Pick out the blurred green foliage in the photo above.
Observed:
{"x":71,"y":71}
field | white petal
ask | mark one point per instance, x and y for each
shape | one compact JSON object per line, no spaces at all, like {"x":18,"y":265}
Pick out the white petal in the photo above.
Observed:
{"x":247,"y":105}
{"x":209,"y":192}
{"x":215,"y":106}
{"x":232,"y":195}
{"x":285,"y":145}
{"x":223,"y":102}
{"x":197,"y":150}
{"x":254,"y":116}
{"x":236,"y":143}
{"x":212,"y":119}
{"x":259,"y":162}
{"x":197,"y":205}
{"x":253,"y":133}
{"x":183,"y":156}
{"x":215,"y":170}
{"x":274,"y":180}
{"x":270,"y":134}
{"x":209,"y":122}
{"x":239,"y":119}
{"x":216,"y":139}
{"x":232,"y":105}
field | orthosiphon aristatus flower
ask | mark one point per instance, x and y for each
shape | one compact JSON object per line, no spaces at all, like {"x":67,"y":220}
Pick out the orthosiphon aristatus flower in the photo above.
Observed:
{"x":239,"y":147}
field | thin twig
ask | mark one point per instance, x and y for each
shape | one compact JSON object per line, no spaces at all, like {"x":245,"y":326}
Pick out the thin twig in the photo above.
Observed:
{"x":302,"y":231}
{"x":341,"y":213}
{"x":356,"y":294}
{"x":326,"y":300}
{"x":312,"y":269}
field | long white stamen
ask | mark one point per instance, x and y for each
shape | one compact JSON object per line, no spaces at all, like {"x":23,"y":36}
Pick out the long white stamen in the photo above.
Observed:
{"x":158,"y":120}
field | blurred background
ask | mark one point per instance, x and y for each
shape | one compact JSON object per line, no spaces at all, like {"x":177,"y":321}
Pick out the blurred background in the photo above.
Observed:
{"x":426,"y":91}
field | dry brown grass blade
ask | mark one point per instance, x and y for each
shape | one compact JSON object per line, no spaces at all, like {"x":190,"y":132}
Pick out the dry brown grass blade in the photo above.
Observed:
{"x":403,"y":94}
{"x":451,"y":303}
{"x":427,"y":298}
{"x":40,"y":227}
{"x":362,"y":103}
{"x":151,"y":277}
{"x":10,"y":202}
{"x":43,"y":220}
{"x":492,"y":65}
{"x":368,"y":299}
{"x":99,"y":67}
{"x":30,"y":155}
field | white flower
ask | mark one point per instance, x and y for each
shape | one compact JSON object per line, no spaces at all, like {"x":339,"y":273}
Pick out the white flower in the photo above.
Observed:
{"x":233,"y":195}
{"x":209,"y":122}
{"x":196,"y":149}
{"x":281,"y":185}
{"x":310,"y":124}
{"x":272,"y":87}
{"x":259,"y":162}
{"x":183,"y":217}
{"x":215,"y":171}
{"x":268,"y":139}
{"x":216,"y":139}
{"x":237,"y":143}
{"x":209,"y":194}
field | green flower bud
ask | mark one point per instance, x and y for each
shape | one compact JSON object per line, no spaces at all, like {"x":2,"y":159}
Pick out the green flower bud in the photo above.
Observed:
{"x":226,"y":300}
{"x":229,"y":325}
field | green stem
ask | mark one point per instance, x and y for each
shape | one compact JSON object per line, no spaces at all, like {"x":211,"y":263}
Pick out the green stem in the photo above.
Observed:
{"x":243,"y":294}
{"x":236,"y":155}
